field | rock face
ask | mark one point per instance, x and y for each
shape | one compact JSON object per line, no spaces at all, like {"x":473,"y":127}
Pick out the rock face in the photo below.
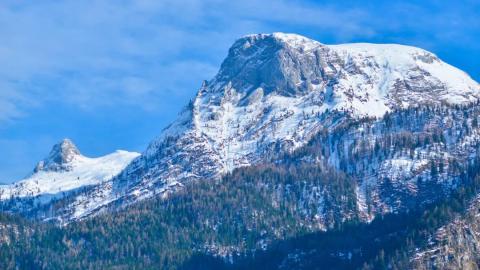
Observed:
{"x":60,"y":157}
{"x":269,"y":97}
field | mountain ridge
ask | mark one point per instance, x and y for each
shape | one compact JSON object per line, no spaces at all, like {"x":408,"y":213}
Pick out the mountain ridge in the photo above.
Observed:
{"x":270,"y":96}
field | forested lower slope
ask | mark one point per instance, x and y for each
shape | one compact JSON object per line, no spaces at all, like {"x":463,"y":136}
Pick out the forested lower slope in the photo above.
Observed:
{"x":363,"y":193}
{"x":246,"y":210}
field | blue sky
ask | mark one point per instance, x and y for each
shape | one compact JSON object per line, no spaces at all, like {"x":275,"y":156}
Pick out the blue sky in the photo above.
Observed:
{"x":110,"y":74}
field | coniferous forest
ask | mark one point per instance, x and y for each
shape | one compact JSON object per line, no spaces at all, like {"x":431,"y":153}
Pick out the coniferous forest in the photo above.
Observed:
{"x":231,"y":216}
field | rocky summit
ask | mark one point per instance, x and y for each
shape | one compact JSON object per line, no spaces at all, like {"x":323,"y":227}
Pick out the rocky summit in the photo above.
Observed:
{"x":61,"y":155}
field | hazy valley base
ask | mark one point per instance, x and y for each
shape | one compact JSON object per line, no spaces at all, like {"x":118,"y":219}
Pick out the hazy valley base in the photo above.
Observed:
{"x":297,"y":155}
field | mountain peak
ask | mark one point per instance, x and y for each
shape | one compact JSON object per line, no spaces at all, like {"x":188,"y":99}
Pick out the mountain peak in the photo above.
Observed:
{"x":353,"y":77}
{"x":60,"y":156}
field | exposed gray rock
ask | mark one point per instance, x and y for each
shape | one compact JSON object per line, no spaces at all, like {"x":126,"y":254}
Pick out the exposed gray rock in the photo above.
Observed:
{"x":59,"y":158}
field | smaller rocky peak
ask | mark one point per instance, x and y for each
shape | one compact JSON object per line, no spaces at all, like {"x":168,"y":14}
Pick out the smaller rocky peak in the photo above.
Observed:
{"x":60,"y":157}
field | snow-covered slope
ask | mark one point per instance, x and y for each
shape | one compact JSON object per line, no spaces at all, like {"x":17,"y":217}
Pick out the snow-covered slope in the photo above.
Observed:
{"x":65,"y":169}
{"x":270,"y":87}
{"x":268,"y":97}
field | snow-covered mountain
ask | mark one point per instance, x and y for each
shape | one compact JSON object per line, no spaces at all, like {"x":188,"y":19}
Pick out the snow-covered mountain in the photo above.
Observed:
{"x":66,"y":169}
{"x":268,"y":97}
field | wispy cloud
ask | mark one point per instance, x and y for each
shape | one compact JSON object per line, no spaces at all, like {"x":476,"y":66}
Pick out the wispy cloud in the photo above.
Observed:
{"x":109,"y":52}
{"x":106,"y":52}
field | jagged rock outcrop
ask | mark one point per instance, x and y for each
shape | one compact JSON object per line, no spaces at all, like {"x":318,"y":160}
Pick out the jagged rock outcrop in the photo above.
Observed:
{"x":60,"y":157}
